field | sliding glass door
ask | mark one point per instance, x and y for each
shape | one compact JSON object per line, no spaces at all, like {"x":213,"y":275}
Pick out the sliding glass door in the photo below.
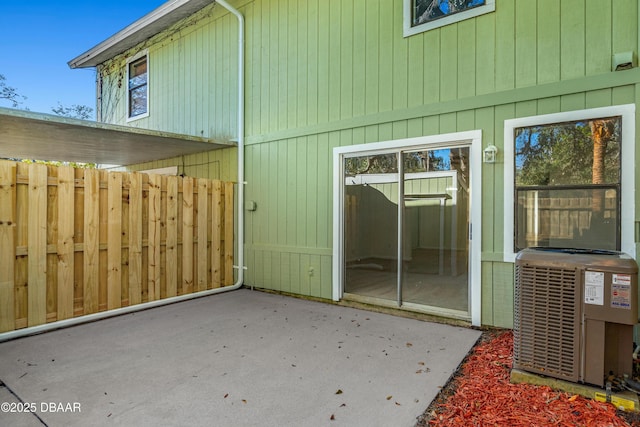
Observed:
{"x":406,"y":222}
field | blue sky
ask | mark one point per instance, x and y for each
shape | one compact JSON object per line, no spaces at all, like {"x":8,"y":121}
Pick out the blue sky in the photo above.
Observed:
{"x":38,"y":38}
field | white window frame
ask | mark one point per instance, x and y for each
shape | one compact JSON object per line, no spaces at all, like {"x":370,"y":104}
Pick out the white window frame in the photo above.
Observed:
{"x":128,"y":91}
{"x":409,"y":30}
{"x":474,"y":140}
{"x":627,"y":168}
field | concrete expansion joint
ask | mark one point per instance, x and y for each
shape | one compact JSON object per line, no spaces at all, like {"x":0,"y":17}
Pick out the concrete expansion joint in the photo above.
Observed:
{"x":19,"y":399}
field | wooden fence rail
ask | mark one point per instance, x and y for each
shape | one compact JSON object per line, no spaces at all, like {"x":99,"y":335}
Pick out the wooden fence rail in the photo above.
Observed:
{"x":80,"y":241}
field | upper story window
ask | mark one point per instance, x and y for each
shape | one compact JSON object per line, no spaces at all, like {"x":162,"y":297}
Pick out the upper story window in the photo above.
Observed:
{"x":137,"y":88}
{"x":569,"y":181}
{"x":423,"y":15}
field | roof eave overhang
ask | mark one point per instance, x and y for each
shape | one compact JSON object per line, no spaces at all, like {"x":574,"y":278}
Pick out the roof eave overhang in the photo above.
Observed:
{"x":144,"y":28}
{"x":27,"y":135}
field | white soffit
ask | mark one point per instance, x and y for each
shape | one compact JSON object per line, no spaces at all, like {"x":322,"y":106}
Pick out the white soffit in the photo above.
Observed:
{"x":27,"y":135}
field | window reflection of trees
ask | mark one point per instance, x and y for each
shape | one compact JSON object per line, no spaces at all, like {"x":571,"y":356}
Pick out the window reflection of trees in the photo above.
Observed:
{"x":580,"y":152}
{"x":138,"y":87}
{"x":430,"y":10}
{"x":416,"y":161}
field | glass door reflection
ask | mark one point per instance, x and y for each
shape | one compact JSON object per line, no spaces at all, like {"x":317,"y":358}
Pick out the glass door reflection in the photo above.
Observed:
{"x":371,"y":226}
{"x":406,"y":222}
{"x":436,"y":223}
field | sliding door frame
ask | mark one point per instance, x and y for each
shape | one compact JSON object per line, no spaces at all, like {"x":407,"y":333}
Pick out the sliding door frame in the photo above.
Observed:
{"x":472,"y":139}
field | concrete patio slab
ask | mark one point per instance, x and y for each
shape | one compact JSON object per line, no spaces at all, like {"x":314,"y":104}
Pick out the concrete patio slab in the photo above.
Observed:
{"x":244,"y":358}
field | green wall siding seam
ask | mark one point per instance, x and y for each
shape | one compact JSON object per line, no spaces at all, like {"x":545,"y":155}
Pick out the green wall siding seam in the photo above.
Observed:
{"x":549,"y":90}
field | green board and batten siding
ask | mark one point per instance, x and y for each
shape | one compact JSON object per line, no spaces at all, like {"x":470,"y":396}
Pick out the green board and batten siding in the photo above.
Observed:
{"x":328,"y":73}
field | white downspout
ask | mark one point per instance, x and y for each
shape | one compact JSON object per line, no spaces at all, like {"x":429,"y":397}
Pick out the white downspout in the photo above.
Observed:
{"x":241,"y":182}
{"x":6,"y":336}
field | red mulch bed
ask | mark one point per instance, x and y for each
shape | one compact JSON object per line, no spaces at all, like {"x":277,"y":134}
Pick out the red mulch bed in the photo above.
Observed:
{"x":481,"y":395}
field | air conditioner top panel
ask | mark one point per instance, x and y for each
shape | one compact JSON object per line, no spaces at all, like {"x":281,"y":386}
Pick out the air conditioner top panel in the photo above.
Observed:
{"x":587,"y":259}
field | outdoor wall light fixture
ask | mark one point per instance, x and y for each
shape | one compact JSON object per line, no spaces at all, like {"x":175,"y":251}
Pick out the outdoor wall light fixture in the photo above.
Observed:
{"x":490,"y":154}
{"x":623,"y":61}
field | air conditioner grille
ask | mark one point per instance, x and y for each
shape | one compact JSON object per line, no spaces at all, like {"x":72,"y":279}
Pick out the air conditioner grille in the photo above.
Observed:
{"x":546,"y":321}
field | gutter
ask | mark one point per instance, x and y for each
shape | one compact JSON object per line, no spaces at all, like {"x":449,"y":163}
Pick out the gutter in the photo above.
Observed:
{"x":240,"y":265}
{"x":143,"y":29}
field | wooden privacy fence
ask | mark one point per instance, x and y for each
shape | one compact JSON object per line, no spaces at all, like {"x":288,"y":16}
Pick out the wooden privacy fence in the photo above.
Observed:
{"x":561,"y":218}
{"x":80,"y":241}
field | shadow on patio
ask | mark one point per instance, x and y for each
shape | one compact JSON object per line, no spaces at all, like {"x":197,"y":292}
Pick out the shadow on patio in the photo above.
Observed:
{"x":244,"y":358}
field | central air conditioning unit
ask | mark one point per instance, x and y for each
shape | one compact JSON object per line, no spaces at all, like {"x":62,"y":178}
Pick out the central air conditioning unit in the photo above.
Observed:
{"x":574,"y":312}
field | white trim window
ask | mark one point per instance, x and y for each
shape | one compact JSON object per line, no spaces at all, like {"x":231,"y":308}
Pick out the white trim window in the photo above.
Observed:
{"x":425,"y":15}
{"x":569,"y":181}
{"x":138,"y":87}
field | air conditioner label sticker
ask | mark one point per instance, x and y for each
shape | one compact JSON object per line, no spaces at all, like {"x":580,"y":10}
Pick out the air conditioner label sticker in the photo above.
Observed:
{"x":621,"y":279}
{"x":594,"y":287}
{"x":621,"y":291}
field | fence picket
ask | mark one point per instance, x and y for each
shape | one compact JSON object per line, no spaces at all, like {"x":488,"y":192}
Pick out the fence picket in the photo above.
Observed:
{"x":228,"y":233}
{"x":78,"y":237}
{"x":154,"y":237}
{"x":37,"y":245}
{"x":217,"y":239}
{"x":65,"y":244}
{"x":51,"y":263}
{"x":202,"y":215}
{"x":114,"y":242}
{"x":135,"y":239}
{"x":171,"y":269}
{"x":103,"y":235}
{"x":7,"y":245}
{"x":91,"y":279}
{"x":187,"y":235}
